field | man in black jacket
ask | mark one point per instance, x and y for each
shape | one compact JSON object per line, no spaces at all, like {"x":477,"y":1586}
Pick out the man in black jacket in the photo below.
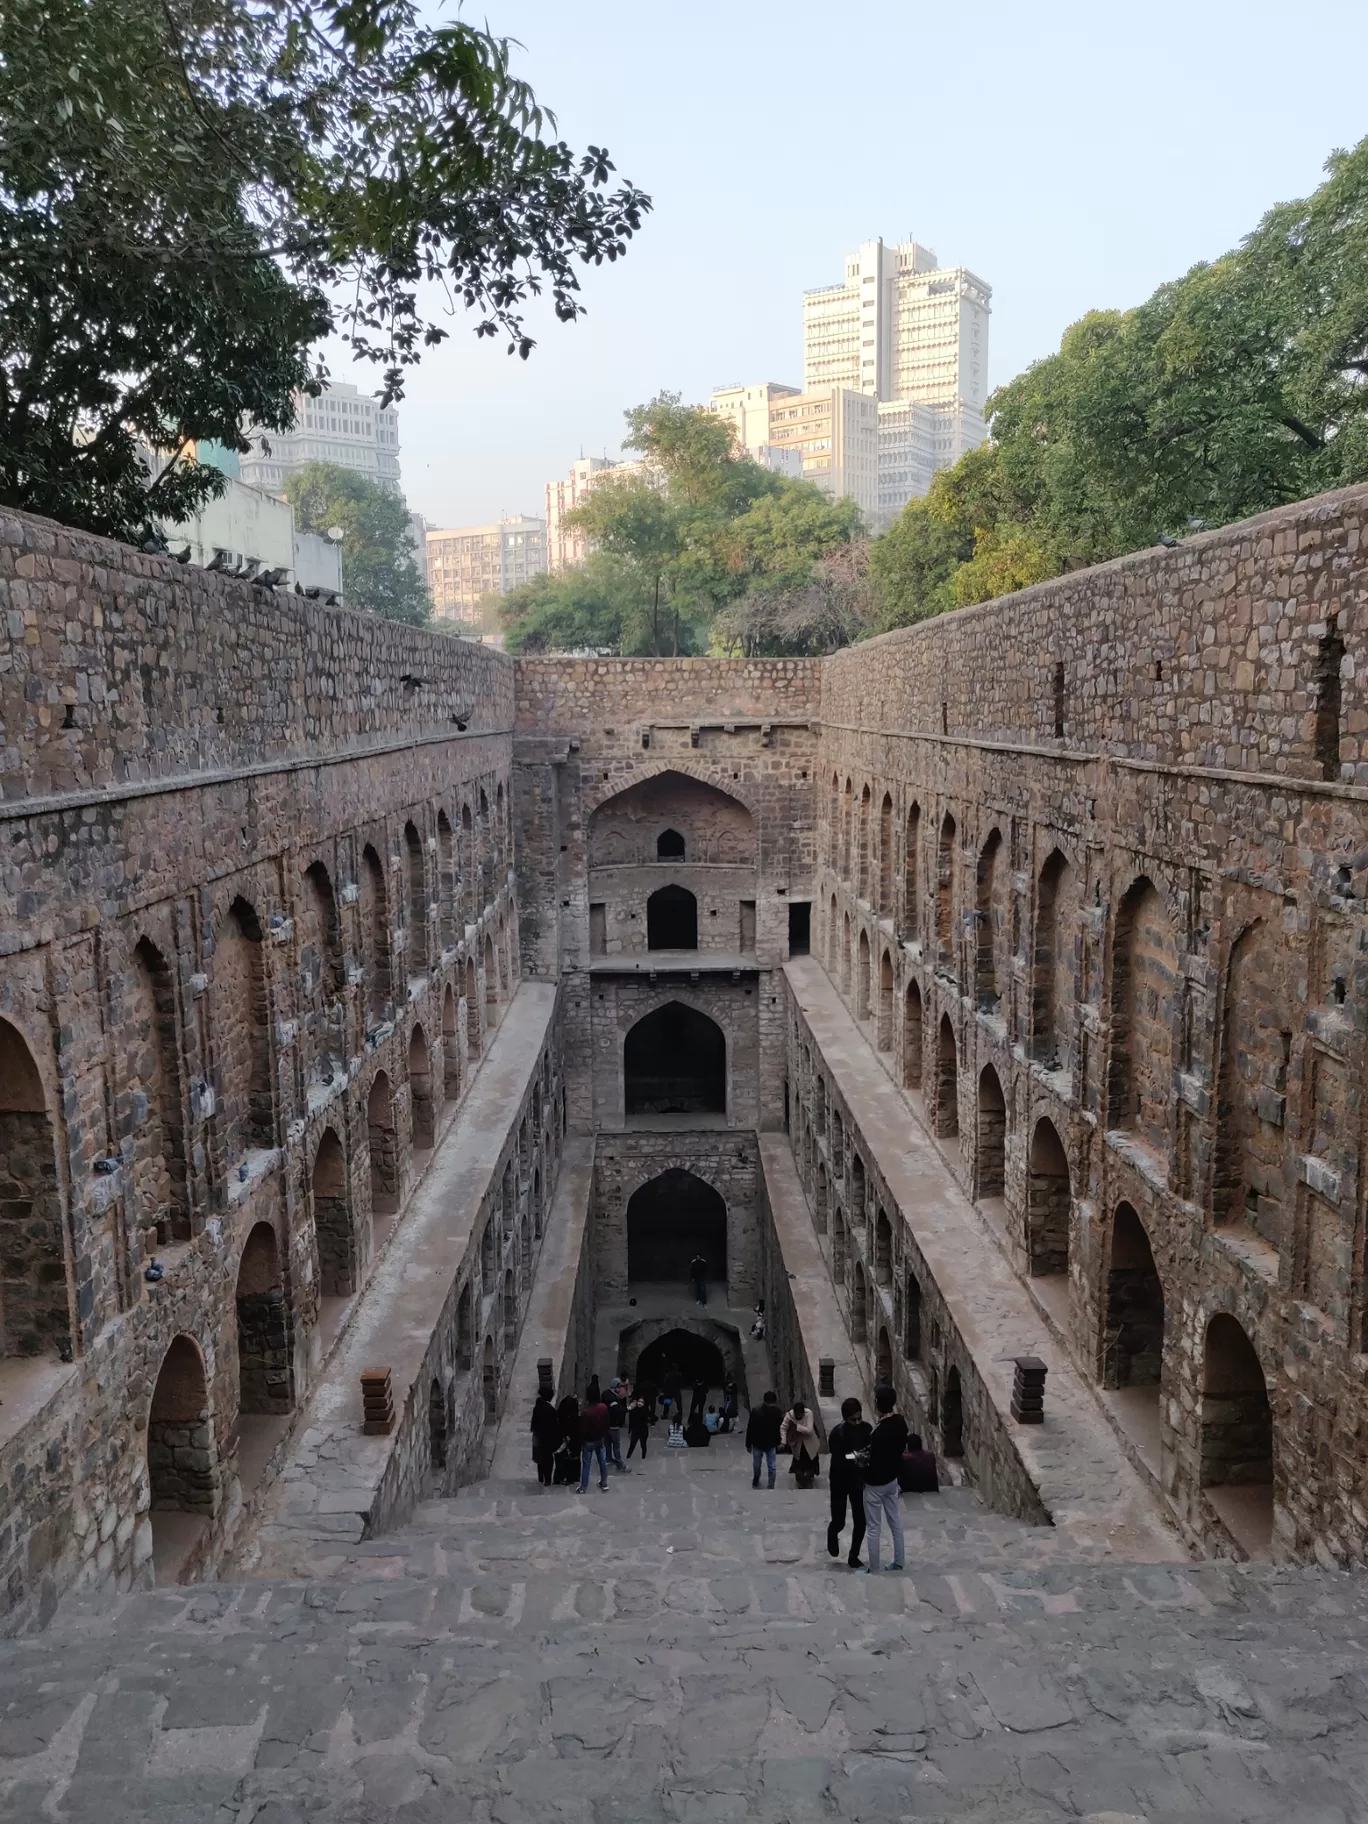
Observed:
{"x":762,"y":1436}
{"x":847,"y":1480}
{"x":882,"y":1497}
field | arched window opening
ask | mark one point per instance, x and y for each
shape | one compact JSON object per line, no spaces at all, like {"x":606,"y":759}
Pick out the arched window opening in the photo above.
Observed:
{"x":35,"y":1315}
{"x":883,"y":1248}
{"x":945,"y":892}
{"x":862,"y":978}
{"x":884,"y":1026}
{"x":670,"y":1219}
{"x":1133,"y":1345}
{"x":1248,"y":1182}
{"x":416,"y":882}
{"x":952,"y":1416}
{"x":911,"y":886}
{"x":485,"y":839}
{"x":848,"y":836}
{"x":464,"y":1330}
{"x":833,"y":940}
{"x":675,"y":1063}
{"x":510,"y":1310}
{"x":1236,"y":1466}
{"x":420,"y":1089}
{"x":1048,"y":1203}
{"x":858,"y":1192}
{"x":263,"y":1331}
{"x":323,"y":976}
{"x":1052,"y":996}
{"x":833,"y":829}
{"x":150,"y":1106}
{"x":864,"y":876}
{"x":859,"y":1306}
{"x":447,"y":886}
{"x":912,"y":1335}
{"x":988,"y":917}
{"x":503,"y":952}
{"x":241,"y":1032}
{"x":1144,"y":974}
{"x":845,"y":955}
{"x":822,"y":1199}
{"x":672,"y":919}
{"x":886,"y":857}
{"x":1329,"y":661}
{"x":536,"y":1205}
{"x":437,"y":1426}
{"x":470,"y":867}
{"x":472,"y":1007}
{"x":838,"y":1245}
{"x":384,"y":1147}
{"x":669,"y":846}
{"x":490,"y":1376}
{"x":947,"y":1082}
{"x":451,"y":1046}
{"x":489,"y":1253}
{"x":182,"y":1470}
{"x":374,"y":913}
{"x":992,"y":1134}
{"x":883,"y":1359}
{"x":837,"y":1142}
{"x":912,"y":1037}
{"x":337,"y":1274}
{"x":491,"y":972}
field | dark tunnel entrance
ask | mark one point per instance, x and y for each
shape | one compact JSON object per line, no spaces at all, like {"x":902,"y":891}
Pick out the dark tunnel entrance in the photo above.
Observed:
{"x":670,"y":1220}
{"x":696,"y":1358}
{"x":674,"y":1062}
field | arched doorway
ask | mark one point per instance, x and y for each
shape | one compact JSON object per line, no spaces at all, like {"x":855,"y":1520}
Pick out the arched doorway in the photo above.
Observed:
{"x":182,"y":1470}
{"x":437,"y":1425}
{"x":1133,"y":1348}
{"x":1144,"y":981}
{"x":263,"y":1332}
{"x":152,"y":1072}
{"x":491,"y":984}
{"x":670,"y":1219}
{"x":912,"y":1327}
{"x":490,"y":1377}
{"x":945,"y":890}
{"x":672,"y":919}
{"x":374,"y":921}
{"x":510,"y":1310}
{"x":337,"y":1272}
{"x":420,"y":1089}
{"x":446,"y":884}
{"x":883,"y":1249}
{"x":1048,"y":1201}
{"x":695,"y":1357}
{"x":862,"y":978}
{"x":992,"y":1134}
{"x":384,"y":1147}
{"x":451,"y":1047}
{"x":912,"y":1037}
{"x":884,"y":1029}
{"x":947,"y":1081}
{"x":417,"y":908}
{"x":241,"y":1020}
{"x":669,"y":846}
{"x":675,"y":1063}
{"x":35,"y":1317}
{"x":1236,"y":1467}
{"x":883,"y":1359}
{"x":472,"y":1007}
{"x":859,"y":1306}
{"x":952,"y":1416}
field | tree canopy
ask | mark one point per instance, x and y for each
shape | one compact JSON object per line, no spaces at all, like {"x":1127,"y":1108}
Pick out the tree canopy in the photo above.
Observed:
{"x":695,"y":546}
{"x":379,"y":571}
{"x":1237,"y":388}
{"x":193,"y":192}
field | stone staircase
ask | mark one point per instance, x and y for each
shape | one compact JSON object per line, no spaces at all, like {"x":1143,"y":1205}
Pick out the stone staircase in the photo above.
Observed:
{"x":682,"y":1648}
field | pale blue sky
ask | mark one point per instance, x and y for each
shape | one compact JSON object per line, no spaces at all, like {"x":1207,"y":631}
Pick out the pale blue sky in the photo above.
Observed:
{"x":1073,"y":155}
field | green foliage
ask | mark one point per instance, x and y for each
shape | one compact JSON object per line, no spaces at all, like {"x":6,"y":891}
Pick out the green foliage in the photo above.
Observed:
{"x":193,"y":192}
{"x":1239,"y":387}
{"x":378,"y":568}
{"x":595,"y":606}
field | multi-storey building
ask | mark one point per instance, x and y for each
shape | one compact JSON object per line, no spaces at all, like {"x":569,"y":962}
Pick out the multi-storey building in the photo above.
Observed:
{"x":835,"y":432}
{"x":747,"y":410}
{"x":342,"y":426}
{"x":472,"y":562}
{"x":565,"y":547}
{"x":912,"y":333}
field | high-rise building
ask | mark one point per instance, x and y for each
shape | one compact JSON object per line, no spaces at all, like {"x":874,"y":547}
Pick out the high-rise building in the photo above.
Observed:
{"x":747,"y":409}
{"x":470,"y":563}
{"x":565,"y":546}
{"x":910,"y":333}
{"x":343,"y":426}
{"x":834,"y":430}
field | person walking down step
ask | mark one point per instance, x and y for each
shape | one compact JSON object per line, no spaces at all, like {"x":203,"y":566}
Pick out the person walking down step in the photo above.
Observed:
{"x":638,"y":1426}
{"x":799,"y":1433}
{"x":616,"y":1401}
{"x":546,"y":1436}
{"x":594,"y":1441}
{"x":762,"y":1437}
{"x":848,"y":1441}
{"x":882,"y":1496}
{"x":698,"y":1273}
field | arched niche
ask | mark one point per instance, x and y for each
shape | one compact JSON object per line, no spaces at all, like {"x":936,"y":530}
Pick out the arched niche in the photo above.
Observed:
{"x":670,"y":1219}
{"x":675,"y":1063}
{"x":35,"y":1313}
{"x":714,"y":826}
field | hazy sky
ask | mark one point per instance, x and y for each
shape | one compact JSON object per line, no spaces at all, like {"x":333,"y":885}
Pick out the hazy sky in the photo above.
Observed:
{"x":1073,"y":155}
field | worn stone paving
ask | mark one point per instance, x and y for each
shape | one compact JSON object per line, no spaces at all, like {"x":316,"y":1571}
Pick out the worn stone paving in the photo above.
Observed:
{"x":681,"y":1648}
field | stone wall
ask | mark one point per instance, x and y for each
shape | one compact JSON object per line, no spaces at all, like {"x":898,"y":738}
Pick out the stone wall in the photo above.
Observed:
{"x":725,"y":1161}
{"x":1105,"y":847}
{"x":256,"y":913}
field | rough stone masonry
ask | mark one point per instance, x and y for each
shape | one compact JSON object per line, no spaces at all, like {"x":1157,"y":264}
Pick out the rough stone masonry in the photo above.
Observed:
{"x":1064,"y":894}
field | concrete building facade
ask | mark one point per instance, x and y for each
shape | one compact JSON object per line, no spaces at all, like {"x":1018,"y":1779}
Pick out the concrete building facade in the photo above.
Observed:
{"x":835,"y":432}
{"x":342,"y":425}
{"x":996,"y":982}
{"x":472,"y":563}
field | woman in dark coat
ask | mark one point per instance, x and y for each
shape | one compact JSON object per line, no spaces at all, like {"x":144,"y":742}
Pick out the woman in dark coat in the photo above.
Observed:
{"x":546,"y":1435}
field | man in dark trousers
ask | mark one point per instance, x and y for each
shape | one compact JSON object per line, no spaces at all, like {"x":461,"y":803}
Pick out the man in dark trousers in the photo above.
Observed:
{"x":671,"y":1388}
{"x":847,"y":1480}
{"x":762,"y":1437}
{"x":593,"y":1441}
{"x":698,"y":1273}
{"x":699,"y":1400}
{"x":616,"y":1401}
{"x":882,"y":1496}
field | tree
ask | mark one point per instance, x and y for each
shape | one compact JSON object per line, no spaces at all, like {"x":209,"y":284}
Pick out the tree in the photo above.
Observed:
{"x":193,"y":192}
{"x":595,"y":606}
{"x":378,"y":568}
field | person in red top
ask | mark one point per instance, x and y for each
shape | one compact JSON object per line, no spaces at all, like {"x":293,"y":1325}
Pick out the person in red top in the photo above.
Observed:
{"x":593,"y":1440}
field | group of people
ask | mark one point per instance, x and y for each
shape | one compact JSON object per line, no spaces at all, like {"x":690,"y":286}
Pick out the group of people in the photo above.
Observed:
{"x":871,"y":1466}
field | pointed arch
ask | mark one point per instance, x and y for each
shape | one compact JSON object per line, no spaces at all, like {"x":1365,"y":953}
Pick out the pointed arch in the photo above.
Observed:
{"x":1133,"y":1343}
{"x":883,"y":1035}
{"x":947,"y":1081}
{"x":912,"y":1037}
{"x":1052,"y":976}
{"x":1143,"y":999}
{"x":263,"y":1330}
{"x":241,"y":1018}
{"x":151,"y":1103}
{"x":886,"y":857}
{"x":420,"y":1089}
{"x":911,"y":876}
{"x":472,"y":1007}
{"x":672,"y":919}
{"x":862,"y":978}
{"x":859,"y":1306}
{"x":992,"y":1134}
{"x":674,"y":1061}
{"x":1049,"y":1201}
{"x":447,"y":882}
{"x":384,"y":1146}
{"x":373,"y":903}
{"x":945,"y":891}
{"x":334,"y":1232}
{"x":35,"y":1311}
{"x":451,"y":1046}
{"x":1249,"y":1172}
{"x":183,"y":1479}
{"x":670,"y":1219}
{"x":988,"y":918}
